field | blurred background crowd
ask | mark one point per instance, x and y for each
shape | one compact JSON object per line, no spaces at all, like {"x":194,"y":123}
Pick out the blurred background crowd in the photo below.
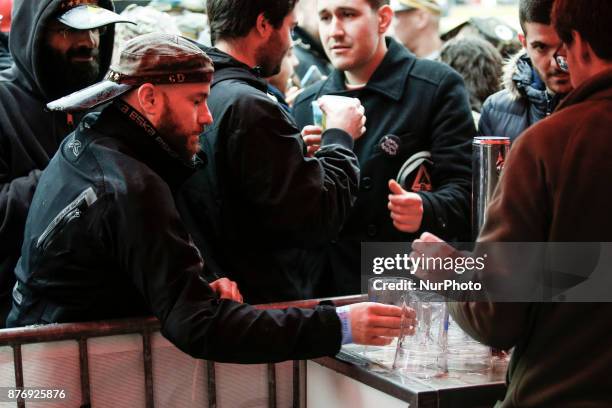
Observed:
{"x":472,"y":36}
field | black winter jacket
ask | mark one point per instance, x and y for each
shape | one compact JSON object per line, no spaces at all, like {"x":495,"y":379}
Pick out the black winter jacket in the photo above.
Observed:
{"x":258,"y":201}
{"x":424,"y":105}
{"x":104,"y":240}
{"x":523,"y":101}
{"x":29,"y":135}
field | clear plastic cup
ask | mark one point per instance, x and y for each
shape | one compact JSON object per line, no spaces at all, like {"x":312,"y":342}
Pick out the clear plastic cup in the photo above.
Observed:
{"x":390,"y":291}
{"x":464,"y":354}
{"x":424,"y":354}
{"x":318,"y":116}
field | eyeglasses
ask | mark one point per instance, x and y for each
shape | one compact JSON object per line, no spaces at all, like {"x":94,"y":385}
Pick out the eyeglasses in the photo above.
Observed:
{"x":69,"y":31}
{"x":561,"y":60}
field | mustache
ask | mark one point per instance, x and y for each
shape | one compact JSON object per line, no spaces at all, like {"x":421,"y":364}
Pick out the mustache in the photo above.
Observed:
{"x":83,"y":52}
{"x":557,"y":72}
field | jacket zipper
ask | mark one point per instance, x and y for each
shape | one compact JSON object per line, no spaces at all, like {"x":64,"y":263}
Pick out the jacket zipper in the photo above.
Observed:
{"x":548,"y":103}
{"x":71,"y":212}
{"x":54,"y":228}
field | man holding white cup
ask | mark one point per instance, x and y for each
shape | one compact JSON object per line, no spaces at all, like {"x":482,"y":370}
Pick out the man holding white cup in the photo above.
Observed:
{"x":312,"y":133}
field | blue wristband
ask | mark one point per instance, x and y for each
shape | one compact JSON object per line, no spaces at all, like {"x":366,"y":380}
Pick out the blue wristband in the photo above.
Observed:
{"x":345,"y":319}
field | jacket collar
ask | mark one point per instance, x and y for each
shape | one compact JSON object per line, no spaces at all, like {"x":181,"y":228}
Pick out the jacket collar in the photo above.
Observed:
{"x":597,"y":87}
{"x":143,"y":146}
{"x":229,"y":68}
{"x":389,"y":79}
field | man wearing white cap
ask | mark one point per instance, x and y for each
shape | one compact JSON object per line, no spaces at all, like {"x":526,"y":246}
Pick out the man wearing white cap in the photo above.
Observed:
{"x":58,"y":46}
{"x":417,"y":26}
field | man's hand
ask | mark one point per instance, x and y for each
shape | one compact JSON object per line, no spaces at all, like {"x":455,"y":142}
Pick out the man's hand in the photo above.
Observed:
{"x":429,"y":238}
{"x":376,"y":324}
{"x":431,"y":246}
{"x":291,"y":95}
{"x":312,"y":138}
{"x":226,"y":289}
{"x":344,"y":113}
{"x":406,"y":208}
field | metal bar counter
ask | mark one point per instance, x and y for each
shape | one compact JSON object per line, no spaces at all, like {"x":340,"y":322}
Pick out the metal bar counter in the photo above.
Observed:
{"x":360,"y":382}
{"x":75,"y":356}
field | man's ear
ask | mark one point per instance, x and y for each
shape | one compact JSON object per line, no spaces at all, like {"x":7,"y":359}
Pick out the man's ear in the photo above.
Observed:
{"x":523,"y":40}
{"x":583,"y":48}
{"x":150,"y":100}
{"x":385,"y":17}
{"x":263,"y":26}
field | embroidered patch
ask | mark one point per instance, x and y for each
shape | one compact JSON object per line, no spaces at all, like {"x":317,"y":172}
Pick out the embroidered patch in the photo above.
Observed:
{"x":422,"y":181}
{"x":390,"y":145}
{"x":75,"y":145}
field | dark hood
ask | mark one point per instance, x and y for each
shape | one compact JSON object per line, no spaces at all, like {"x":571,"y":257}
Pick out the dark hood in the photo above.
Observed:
{"x":227,"y":67}
{"x":26,"y":41}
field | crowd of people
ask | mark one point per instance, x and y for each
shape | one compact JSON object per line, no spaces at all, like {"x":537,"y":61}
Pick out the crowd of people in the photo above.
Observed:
{"x":147,"y":173}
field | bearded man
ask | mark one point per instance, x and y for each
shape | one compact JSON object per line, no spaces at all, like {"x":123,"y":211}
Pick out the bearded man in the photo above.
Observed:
{"x":58,"y":46}
{"x":259,"y":202}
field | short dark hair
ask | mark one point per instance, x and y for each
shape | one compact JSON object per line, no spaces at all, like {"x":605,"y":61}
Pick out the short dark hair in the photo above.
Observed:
{"x":535,"y":11}
{"x":478,"y":62}
{"x":376,"y":4}
{"x":236,"y":18}
{"x":591,"y":19}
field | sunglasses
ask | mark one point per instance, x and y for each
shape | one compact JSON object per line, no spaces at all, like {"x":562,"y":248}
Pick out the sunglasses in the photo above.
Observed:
{"x":561,"y":60}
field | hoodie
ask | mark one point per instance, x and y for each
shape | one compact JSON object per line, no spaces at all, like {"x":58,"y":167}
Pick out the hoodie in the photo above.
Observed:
{"x":29,"y":135}
{"x":523,"y":101}
{"x":259,"y":202}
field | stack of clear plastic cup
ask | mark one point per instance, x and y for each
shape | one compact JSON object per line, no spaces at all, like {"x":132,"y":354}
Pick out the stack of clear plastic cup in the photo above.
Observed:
{"x":424,"y":354}
{"x":464,"y":354}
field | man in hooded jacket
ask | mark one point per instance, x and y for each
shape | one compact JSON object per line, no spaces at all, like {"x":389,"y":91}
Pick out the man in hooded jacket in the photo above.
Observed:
{"x":41,"y":72}
{"x":533,"y":83}
{"x":259,"y":202}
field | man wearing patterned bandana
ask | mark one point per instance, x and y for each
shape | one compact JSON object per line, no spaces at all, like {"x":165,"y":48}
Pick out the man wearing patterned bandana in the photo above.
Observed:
{"x":105,"y":240}
{"x":58,"y":47}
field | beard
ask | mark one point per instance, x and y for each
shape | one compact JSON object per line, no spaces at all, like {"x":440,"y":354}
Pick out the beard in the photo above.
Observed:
{"x":269,"y":57}
{"x":175,"y":135}
{"x":65,"y":76}
{"x":557,"y":81}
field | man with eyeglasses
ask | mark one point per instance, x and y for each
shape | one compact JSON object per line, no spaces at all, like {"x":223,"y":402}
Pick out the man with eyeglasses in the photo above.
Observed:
{"x":58,"y":46}
{"x":534,"y":83}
